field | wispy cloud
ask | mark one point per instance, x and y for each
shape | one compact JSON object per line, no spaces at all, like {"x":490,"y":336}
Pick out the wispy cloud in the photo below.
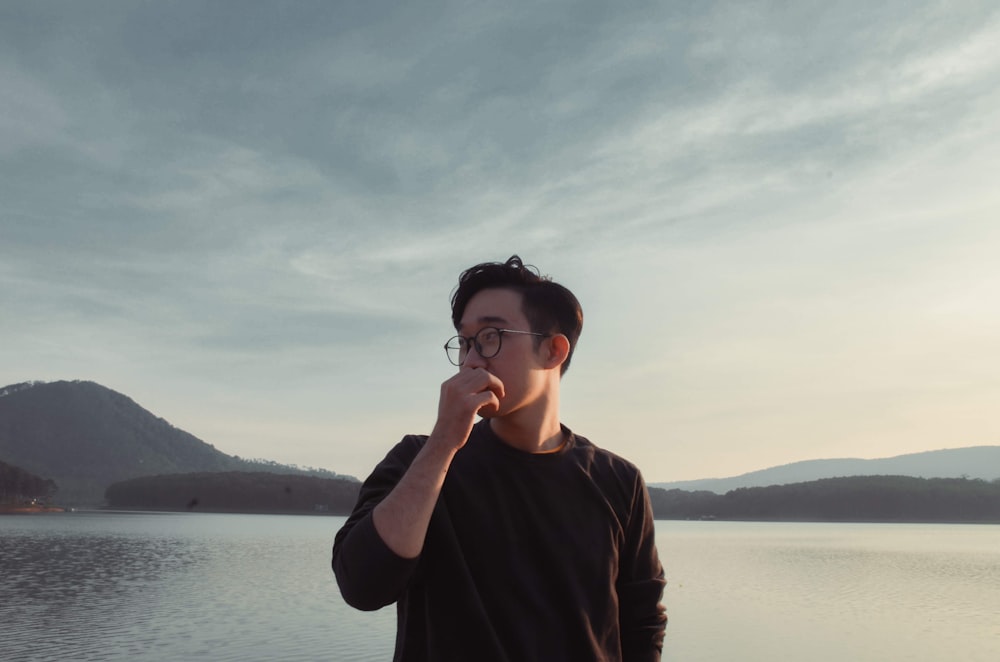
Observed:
{"x":780,"y":219}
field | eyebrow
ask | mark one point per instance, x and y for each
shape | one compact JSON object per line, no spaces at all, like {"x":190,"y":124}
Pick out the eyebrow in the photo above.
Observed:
{"x":487,"y":319}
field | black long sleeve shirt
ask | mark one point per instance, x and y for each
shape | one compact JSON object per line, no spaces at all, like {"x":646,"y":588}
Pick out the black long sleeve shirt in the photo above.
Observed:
{"x":543,"y":557}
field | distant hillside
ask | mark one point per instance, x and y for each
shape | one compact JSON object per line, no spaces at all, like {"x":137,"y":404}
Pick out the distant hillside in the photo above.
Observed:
{"x":85,"y":437}
{"x":974,"y":462}
{"x":852,"y":499}
{"x":236,"y":492}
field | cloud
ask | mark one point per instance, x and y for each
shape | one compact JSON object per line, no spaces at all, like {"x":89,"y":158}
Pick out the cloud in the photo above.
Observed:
{"x":751,"y":201}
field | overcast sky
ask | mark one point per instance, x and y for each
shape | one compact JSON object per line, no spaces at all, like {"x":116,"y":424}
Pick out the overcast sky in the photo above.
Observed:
{"x":782,"y":219}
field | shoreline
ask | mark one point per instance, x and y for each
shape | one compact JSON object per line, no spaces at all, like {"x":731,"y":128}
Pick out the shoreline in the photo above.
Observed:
{"x":27,"y":509}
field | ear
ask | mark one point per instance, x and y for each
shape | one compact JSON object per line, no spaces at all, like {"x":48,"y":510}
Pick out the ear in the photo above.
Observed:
{"x":557,"y":349}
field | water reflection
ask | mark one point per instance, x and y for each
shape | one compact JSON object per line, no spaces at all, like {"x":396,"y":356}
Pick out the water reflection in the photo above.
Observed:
{"x":77,"y":589}
{"x":176,"y":587}
{"x":775,"y":591}
{"x":194,"y":586}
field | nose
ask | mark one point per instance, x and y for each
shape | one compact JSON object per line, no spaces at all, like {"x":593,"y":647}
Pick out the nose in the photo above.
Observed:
{"x":472,"y":358}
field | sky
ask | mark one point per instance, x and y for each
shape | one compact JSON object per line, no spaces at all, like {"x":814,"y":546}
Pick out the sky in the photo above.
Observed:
{"x":782,"y":219}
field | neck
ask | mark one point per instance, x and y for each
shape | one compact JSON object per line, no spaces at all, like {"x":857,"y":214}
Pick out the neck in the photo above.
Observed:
{"x":531,"y":431}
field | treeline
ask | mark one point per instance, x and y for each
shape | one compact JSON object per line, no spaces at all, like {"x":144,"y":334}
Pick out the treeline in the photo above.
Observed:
{"x":19,"y":486}
{"x":253,"y":464}
{"x":854,"y":499}
{"x":236,"y":491}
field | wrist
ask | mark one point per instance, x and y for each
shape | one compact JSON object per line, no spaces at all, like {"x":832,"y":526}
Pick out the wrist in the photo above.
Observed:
{"x":448,"y":436}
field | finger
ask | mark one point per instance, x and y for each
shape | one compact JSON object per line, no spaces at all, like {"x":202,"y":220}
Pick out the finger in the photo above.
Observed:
{"x":489,"y":404}
{"x":464,"y":395}
{"x":476,"y":380}
{"x":495,"y":385}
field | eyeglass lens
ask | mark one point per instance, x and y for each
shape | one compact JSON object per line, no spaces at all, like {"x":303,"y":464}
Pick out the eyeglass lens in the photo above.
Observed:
{"x":486,"y":342}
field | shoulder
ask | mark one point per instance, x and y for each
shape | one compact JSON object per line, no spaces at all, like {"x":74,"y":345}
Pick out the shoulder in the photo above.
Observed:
{"x":395,"y":463}
{"x":616,"y":477}
{"x":407,"y":448}
{"x":603,"y":460}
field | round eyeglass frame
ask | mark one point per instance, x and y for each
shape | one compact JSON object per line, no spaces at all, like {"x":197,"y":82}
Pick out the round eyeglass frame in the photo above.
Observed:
{"x":459,"y":343}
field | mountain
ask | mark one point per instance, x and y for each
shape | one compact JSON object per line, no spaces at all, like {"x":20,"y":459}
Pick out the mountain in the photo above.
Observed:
{"x":981,"y":462}
{"x":85,"y":437}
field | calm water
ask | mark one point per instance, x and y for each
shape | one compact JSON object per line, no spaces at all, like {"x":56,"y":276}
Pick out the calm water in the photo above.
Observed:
{"x":106,"y":586}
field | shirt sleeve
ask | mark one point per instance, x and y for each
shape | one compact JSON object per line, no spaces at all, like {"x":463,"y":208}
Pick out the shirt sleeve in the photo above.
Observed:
{"x":643,"y":619}
{"x":369,"y":574}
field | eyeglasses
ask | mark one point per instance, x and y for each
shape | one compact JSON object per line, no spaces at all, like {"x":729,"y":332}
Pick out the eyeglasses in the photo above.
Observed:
{"x":486,"y":341}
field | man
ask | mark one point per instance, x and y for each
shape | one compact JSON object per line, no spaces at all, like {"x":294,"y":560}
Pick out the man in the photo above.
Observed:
{"x":509,"y":539}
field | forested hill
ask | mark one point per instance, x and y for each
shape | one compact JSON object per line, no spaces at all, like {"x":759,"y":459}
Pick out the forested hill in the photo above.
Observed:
{"x":17,"y":485}
{"x":242,"y":492}
{"x":854,"y":499}
{"x":85,"y":437}
{"x":859,"y":499}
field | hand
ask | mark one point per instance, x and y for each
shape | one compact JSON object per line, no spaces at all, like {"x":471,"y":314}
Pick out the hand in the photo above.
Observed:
{"x":468,"y":392}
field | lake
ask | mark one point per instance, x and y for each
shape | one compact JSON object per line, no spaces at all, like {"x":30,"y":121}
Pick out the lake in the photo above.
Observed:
{"x":150,"y":586}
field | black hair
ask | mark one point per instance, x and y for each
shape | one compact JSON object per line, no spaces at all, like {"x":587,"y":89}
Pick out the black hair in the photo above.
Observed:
{"x":548,"y":306}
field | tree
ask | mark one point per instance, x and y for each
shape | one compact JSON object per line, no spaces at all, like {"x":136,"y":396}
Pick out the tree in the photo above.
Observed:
{"x":19,"y":486}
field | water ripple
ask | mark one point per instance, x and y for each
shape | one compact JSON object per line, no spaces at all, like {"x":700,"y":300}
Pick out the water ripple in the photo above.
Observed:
{"x":177,"y":587}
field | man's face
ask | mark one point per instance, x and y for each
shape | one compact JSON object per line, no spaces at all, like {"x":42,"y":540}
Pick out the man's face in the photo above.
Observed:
{"x":517,"y":364}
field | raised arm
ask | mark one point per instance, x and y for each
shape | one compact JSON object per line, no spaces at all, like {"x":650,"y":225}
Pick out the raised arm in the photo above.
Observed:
{"x":401,"y":519}
{"x":375,"y":552}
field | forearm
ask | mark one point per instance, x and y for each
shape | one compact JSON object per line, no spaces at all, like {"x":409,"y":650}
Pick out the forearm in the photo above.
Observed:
{"x":369,"y":573}
{"x":402,"y":517}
